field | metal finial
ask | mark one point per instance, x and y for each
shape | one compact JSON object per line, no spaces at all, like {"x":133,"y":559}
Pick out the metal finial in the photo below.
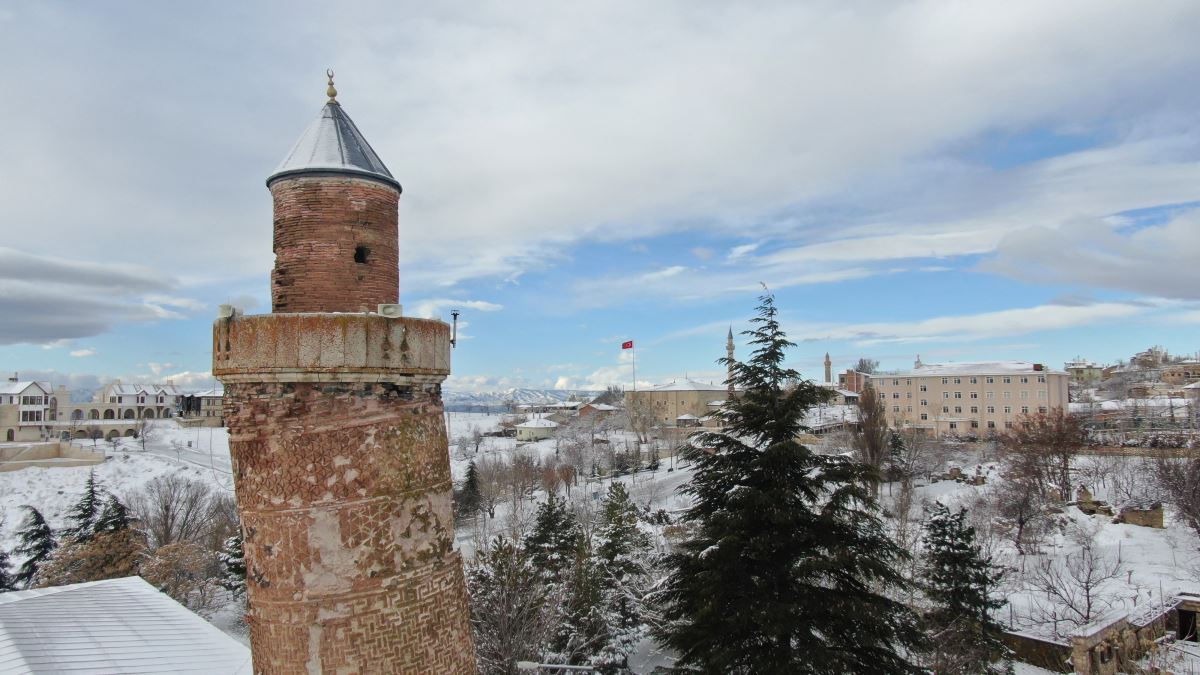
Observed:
{"x":331,"y":92}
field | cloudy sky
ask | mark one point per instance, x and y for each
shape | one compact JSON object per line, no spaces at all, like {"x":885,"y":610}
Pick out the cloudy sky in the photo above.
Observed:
{"x":1020,"y":180}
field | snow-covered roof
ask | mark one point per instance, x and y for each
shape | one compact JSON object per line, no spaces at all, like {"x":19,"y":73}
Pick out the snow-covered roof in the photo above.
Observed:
{"x":601,"y":406}
{"x":333,"y":144}
{"x":839,"y":390}
{"x":13,"y":388}
{"x":969,"y":368}
{"x":686,"y":416}
{"x":538,"y":423}
{"x":207,"y":393}
{"x":1194,"y":385}
{"x":688,"y":385}
{"x":112,"y":626}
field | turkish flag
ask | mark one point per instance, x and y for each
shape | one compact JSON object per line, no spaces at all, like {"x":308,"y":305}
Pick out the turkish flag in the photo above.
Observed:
{"x":628,"y":344}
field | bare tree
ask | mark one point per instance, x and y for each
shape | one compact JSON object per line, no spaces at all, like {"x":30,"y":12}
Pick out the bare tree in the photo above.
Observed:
{"x":1179,"y":480}
{"x":1021,"y":502}
{"x":866,"y":365}
{"x":1045,"y":444}
{"x":1073,"y":586}
{"x":871,"y":437}
{"x":174,"y":509}
{"x":188,"y":572}
{"x":493,"y":476}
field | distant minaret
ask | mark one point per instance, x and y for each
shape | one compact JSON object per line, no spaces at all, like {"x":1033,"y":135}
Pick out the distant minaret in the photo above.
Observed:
{"x":729,"y":358}
{"x":917,"y":363}
{"x":828,"y":369}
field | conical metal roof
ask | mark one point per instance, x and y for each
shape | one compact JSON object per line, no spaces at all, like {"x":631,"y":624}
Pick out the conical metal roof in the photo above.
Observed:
{"x":333,"y":144}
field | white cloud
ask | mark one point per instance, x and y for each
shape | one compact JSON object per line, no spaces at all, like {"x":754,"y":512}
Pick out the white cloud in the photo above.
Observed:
{"x":81,"y":353}
{"x":969,"y":327}
{"x":430,"y":309}
{"x":738,"y":252}
{"x":188,"y":380}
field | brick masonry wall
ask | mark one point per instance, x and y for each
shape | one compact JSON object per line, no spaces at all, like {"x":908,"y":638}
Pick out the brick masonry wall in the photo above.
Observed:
{"x":320,"y":221}
{"x":345,"y":497}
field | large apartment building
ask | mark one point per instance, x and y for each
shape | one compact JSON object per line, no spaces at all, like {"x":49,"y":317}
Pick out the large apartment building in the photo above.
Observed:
{"x":969,"y":398}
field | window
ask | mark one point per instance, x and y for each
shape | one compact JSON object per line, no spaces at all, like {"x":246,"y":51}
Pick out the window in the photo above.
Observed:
{"x":1024,"y":410}
{"x":1008,"y":425}
{"x":990,"y":380}
{"x":31,"y":415}
{"x":896,"y":382}
{"x":954,"y":425}
{"x":1008,"y":410}
{"x":974,"y":409}
{"x":924,"y":416}
{"x":909,"y":409}
{"x":1042,"y":379}
{"x":908,"y":394}
{"x":990,"y":394}
{"x":945,"y":380}
{"x":1042,"y":409}
{"x":360,"y":254}
{"x":945,"y":409}
{"x":924,"y":402}
{"x":1024,"y":394}
{"x":1041,"y":393}
{"x":924,"y":388}
{"x":945,"y":394}
{"x":974,"y":424}
{"x":908,"y":381}
{"x":991,"y":409}
{"x":112,"y":399}
{"x":958,"y":409}
{"x":141,"y":399}
{"x":991,"y":424}
{"x":974,"y":380}
{"x":895,"y":408}
{"x":974,"y":394}
{"x":1024,"y":380}
{"x":1007,"y":395}
{"x":958,"y":394}
{"x":1006,"y":380}
{"x":895,"y":394}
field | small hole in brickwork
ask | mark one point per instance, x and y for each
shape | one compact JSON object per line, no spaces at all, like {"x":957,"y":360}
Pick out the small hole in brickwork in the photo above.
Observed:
{"x":361,"y":253}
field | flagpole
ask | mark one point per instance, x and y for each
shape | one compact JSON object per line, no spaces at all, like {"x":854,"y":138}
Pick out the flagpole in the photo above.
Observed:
{"x":635,"y":368}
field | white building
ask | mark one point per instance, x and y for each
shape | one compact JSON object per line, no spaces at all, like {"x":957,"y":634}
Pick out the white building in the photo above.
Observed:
{"x":26,"y":408}
{"x":536,"y":429}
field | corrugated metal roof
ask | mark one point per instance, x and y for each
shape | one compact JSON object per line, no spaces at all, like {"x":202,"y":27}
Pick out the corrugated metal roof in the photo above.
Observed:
{"x":333,"y":144}
{"x":112,"y":626}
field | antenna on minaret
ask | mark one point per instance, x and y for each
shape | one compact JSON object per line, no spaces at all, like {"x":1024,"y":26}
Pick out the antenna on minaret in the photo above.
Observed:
{"x":454,"y":328}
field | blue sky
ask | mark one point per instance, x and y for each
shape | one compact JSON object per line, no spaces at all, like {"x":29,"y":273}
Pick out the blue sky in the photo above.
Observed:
{"x":1015,"y":182}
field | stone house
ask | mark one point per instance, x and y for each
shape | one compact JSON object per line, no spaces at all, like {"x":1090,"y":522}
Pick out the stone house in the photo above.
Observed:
{"x":536,"y":429}
{"x":26,"y":409}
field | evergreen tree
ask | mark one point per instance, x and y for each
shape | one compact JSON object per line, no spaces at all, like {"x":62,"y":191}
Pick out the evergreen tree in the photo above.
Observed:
{"x":581,"y":621}
{"x":555,"y":540}
{"x":622,"y":552}
{"x":469,"y":498}
{"x":83,"y":514}
{"x":113,"y":518}
{"x":959,"y":581}
{"x":7,"y":581}
{"x":789,"y":565}
{"x":511,"y":608}
{"x":37,"y":544}
{"x":233,"y":565}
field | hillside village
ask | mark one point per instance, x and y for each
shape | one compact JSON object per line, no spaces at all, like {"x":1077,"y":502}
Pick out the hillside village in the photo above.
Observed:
{"x":952,"y":425}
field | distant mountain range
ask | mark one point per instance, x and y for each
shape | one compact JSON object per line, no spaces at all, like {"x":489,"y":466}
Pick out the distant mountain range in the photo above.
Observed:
{"x":460,"y":401}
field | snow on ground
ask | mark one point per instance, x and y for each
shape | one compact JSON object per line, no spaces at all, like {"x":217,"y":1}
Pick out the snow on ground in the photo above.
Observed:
{"x":125,"y":470}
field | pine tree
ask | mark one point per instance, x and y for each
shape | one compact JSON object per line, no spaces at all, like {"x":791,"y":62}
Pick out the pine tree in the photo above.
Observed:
{"x":7,"y":581}
{"x":555,"y":540}
{"x":622,"y":550}
{"x":789,"y":565}
{"x":959,"y":581}
{"x":233,"y":565}
{"x":511,"y":608}
{"x":469,"y":498}
{"x":85,"y":511}
{"x":37,"y":544}
{"x":113,"y":518}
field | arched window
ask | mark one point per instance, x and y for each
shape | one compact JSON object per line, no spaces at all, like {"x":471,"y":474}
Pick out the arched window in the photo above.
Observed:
{"x":93,"y":414}
{"x":110,"y":414}
{"x":129,"y":414}
{"x":76,"y":415}
{"x":148,"y":413}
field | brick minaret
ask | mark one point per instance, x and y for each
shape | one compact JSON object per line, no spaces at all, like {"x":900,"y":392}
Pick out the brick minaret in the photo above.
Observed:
{"x":828,"y":369}
{"x":337,"y":435}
